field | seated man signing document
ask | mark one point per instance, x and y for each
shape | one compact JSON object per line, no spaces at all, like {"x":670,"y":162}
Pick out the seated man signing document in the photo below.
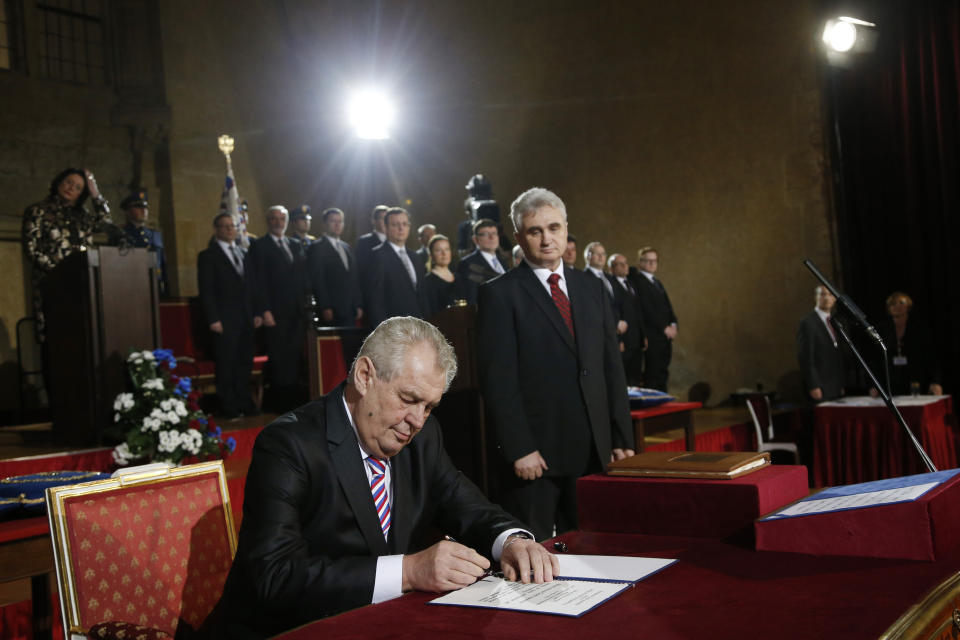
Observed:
{"x":342,"y":491}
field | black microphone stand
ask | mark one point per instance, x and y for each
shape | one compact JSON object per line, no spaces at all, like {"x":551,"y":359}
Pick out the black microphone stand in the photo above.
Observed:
{"x":884,"y":392}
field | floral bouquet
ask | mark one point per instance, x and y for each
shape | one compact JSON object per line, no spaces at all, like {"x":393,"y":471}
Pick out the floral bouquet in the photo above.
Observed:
{"x":161,"y":420}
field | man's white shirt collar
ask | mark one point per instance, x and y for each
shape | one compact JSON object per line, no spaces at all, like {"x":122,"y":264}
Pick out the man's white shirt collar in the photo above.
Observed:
{"x":647,"y":274}
{"x":543,"y":273}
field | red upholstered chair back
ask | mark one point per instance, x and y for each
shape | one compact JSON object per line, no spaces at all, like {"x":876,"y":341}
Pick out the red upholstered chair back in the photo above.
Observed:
{"x":152,"y":548}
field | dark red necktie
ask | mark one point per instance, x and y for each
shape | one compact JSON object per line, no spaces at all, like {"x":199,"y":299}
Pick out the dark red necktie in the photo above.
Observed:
{"x":561,"y":300}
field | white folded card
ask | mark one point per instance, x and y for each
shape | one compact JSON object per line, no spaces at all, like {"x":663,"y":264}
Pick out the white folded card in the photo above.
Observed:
{"x":584,"y":582}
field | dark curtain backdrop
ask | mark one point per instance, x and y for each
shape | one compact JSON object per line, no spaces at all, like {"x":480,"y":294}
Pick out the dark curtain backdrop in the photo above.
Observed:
{"x":896,"y":158}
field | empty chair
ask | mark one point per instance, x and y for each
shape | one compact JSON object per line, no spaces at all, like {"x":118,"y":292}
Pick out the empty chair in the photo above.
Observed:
{"x":150,"y":548}
{"x":759,"y":407}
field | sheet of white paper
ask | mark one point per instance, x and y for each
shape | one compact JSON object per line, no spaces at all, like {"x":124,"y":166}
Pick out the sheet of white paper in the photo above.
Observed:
{"x":624,"y":568}
{"x":856,"y":501}
{"x":560,"y":597}
{"x":867,"y":401}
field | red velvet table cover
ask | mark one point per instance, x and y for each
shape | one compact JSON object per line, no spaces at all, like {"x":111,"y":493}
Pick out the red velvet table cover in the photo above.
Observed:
{"x":859,"y":444}
{"x":716,"y":591}
{"x":925,"y":529}
{"x":686,"y":507}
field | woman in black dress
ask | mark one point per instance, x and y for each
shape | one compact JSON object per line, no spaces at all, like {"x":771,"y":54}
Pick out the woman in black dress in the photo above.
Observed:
{"x":440,"y":287}
{"x":911,"y":357}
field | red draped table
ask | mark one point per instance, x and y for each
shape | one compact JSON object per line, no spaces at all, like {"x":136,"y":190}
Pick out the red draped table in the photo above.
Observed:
{"x":716,"y":590}
{"x":671,"y":415}
{"x":858,"y":439}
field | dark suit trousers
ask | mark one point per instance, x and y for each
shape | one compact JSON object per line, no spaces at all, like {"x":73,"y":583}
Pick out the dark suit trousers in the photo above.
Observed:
{"x":543,"y":502}
{"x":233,"y":350}
{"x":657,"y":365}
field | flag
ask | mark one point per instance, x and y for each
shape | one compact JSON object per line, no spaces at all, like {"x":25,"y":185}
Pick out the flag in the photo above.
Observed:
{"x":230,"y":203}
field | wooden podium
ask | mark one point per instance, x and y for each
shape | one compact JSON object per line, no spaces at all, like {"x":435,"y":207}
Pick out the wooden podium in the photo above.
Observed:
{"x":99,"y":304}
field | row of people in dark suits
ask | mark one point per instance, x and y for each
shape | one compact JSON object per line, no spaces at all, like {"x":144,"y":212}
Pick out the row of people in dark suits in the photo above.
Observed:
{"x":646,"y":323}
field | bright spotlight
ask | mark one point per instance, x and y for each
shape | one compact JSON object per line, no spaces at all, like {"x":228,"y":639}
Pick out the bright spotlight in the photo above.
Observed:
{"x":371,"y":115}
{"x":841,"y":34}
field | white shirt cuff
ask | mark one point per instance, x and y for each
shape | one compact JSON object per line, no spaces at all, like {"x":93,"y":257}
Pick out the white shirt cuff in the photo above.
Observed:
{"x":389,"y":581}
{"x":498,"y":543}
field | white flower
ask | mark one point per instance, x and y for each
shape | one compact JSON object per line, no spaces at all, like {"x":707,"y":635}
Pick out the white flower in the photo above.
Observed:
{"x":123,"y":401}
{"x":148,"y":355}
{"x":64,"y":244}
{"x":172,"y":417}
{"x":166,"y":405}
{"x":150,"y":424}
{"x":116,"y":417}
{"x":153,"y":383}
{"x":54,"y":233}
{"x":192,"y":440}
{"x":121,"y":454}
{"x":180,"y":408}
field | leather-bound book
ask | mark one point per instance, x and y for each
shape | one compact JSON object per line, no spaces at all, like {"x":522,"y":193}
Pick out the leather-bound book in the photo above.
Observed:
{"x":716,"y":465}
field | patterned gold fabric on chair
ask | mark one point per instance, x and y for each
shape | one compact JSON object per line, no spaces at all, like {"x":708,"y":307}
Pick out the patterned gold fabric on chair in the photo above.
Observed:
{"x":151,"y":549}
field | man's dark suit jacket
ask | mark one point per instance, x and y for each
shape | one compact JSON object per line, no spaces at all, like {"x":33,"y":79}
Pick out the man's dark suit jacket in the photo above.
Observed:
{"x":226,"y":297}
{"x":363,"y":246}
{"x":334,"y":286}
{"x":542,"y":390}
{"x":821,"y":363}
{"x":389,"y":291}
{"x":310,"y":538}
{"x":473,"y":271}
{"x":628,"y":307}
{"x":657,"y":315}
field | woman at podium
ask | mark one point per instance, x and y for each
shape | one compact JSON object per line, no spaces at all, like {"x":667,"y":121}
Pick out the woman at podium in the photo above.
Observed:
{"x":440,"y":286}
{"x":59,"y":225}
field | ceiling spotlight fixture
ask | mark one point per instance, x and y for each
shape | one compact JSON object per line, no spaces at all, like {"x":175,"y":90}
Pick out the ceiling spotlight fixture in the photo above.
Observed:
{"x":371,"y":114}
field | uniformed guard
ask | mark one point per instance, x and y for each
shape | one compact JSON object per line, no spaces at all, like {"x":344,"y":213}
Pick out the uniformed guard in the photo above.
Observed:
{"x":138,"y":234}
{"x":300,"y":220}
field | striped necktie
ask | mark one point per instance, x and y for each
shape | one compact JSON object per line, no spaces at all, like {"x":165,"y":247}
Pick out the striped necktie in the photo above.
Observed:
{"x":378,"y":487}
{"x":560,"y":299}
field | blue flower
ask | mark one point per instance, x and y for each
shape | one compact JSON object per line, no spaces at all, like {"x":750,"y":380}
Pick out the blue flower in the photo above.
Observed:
{"x":231,"y":444}
{"x":184,"y":387}
{"x":165,"y":355}
{"x":215,"y":432}
{"x":203,"y":421}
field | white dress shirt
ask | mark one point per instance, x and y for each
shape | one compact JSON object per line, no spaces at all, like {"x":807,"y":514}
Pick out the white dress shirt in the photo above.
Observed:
{"x":543,"y":273}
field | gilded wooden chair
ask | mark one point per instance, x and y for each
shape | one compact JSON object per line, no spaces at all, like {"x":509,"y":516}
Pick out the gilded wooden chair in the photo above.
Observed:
{"x":143,"y":554}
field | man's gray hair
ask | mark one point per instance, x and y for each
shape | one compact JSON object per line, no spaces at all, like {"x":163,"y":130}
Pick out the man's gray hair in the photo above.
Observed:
{"x":531,"y":200}
{"x":612,"y":257}
{"x":589,"y":249}
{"x":388,"y":344}
{"x":278,"y":207}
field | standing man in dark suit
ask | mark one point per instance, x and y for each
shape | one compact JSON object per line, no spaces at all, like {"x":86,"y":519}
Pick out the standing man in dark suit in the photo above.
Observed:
{"x":226,"y":297}
{"x":660,"y":323}
{"x":300,"y":221}
{"x":394,"y":273}
{"x":484,"y":263}
{"x":633,"y":341}
{"x":280,"y":269}
{"x":424,"y":233}
{"x":818,"y":352}
{"x":370,"y":241}
{"x":344,"y":493}
{"x":550,"y":371}
{"x":333,"y":274}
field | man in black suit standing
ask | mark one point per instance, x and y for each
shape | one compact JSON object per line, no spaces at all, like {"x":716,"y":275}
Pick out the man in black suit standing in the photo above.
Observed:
{"x":394,"y":273}
{"x":333,"y":274}
{"x":660,"y":323}
{"x":633,"y":342}
{"x":227,"y":303}
{"x":550,"y":371}
{"x":818,"y":352}
{"x":424,"y":233}
{"x":280,"y":269}
{"x":370,"y":241}
{"x":344,"y":494}
{"x":484,"y":263}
